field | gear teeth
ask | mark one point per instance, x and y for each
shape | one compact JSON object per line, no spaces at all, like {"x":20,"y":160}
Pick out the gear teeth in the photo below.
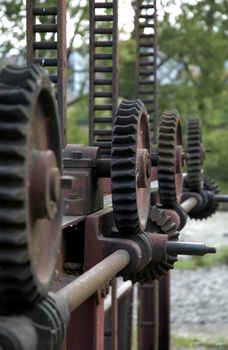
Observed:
{"x":195,"y":152}
{"x":123,"y":168}
{"x":211,"y":208}
{"x":18,"y":91}
{"x":169,"y":132}
{"x":7,"y":75}
{"x":161,"y":223}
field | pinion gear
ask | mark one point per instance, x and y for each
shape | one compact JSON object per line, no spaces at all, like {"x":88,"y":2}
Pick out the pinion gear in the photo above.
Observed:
{"x":159,"y":222}
{"x":170,"y":160}
{"x":30,"y":167}
{"x":212,"y":205}
{"x":195,"y":155}
{"x":130,"y":167}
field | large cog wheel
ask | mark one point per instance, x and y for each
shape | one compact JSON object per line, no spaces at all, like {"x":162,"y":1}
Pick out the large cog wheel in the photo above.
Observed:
{"x":130,"y":167}
{"x":195,"y":158}
{"x":30,"y":194}
{"x":170,"y":163}
{"x":159,"y":222}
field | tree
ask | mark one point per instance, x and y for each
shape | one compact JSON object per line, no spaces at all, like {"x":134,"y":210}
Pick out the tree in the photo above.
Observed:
{"x":193,"y":72}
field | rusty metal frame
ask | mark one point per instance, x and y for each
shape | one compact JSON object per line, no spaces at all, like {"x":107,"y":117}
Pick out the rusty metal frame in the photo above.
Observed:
{"x":86,"y":294}
{"x":98,"y":73}
{"x":146,"y":56}
{"x":34,"y":8}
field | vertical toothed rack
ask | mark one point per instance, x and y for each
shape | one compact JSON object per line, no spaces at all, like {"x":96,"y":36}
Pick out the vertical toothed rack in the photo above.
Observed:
{"x":103,"y":72}
{"x":46,"y":45}
{"x":146,"y":65}
{"x":146,"y":59}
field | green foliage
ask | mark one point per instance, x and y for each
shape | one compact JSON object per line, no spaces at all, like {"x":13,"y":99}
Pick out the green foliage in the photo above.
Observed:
{"x":12,"y":27}
{"x":127,"y":51}
{"x":180,"y":343}
{"x":193,"y":74}
{"x":77,"y":125}
{"x":221,"y":257}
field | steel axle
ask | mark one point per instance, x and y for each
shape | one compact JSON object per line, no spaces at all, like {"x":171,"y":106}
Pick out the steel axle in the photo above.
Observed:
{"x":189,"y":248}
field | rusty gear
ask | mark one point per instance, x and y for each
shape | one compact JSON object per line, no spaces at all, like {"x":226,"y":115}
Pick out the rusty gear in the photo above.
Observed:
{"x":30,"y":230}
{"x":212,"y":205}
{"x":159,"y":222}
{"x":170,"y":160}
{"x":195,"y":155}
{"x":130,"y":167}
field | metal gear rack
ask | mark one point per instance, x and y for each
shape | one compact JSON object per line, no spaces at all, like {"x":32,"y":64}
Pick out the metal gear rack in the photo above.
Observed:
{"x":46,"y":45}
{"x":146,"y":60}
{"x":103,"y":72}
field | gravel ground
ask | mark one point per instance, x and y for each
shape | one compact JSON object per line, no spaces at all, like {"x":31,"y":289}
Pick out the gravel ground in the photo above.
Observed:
{"x":199,"y":298}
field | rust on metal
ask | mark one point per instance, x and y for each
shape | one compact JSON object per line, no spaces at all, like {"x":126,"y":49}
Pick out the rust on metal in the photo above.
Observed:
{"x":84,"y":286}
{"x":49,"y":53}
{"x":148,"y":316}
{"x":103,"y":92}
{"x":146,"y":59}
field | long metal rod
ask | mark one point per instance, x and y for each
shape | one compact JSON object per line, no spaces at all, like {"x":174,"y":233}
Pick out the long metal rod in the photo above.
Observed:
{"x":121,"y":292}
{"x":189,"y":248}
{"x":221,"y":198}
{"x":189,"y":204}
{"x":87,"y":284}
{"x":114,"y":316}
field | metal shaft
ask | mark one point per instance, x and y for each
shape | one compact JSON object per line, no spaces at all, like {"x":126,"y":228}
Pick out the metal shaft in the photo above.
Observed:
{"x":221,"y":198}
{"x":189,"y":204}
{"x":188,"y":248}
{"x":87,"y":284}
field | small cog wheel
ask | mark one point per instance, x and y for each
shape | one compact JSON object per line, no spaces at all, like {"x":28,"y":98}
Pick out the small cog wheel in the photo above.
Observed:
{"x":30,"y":194}
{"x":212,"y":205}
{"x":161,"y":223}
{"x":170,"y":162}
{"x":195,"y":156}
{"x":130,"y":167}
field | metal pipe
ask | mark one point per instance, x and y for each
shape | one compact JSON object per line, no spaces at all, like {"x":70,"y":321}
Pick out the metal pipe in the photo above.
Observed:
{"x":121,"y":292}
{"x":114,"y":316}
{"x":87,"y":284}
{"x":188,"y":248}
{"x":189,"y":204}
{"x":221,"y":198}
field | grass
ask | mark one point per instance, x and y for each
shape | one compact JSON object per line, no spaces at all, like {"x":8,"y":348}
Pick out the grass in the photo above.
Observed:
{"x":194,"y":343}
{"x":221,"y":257}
